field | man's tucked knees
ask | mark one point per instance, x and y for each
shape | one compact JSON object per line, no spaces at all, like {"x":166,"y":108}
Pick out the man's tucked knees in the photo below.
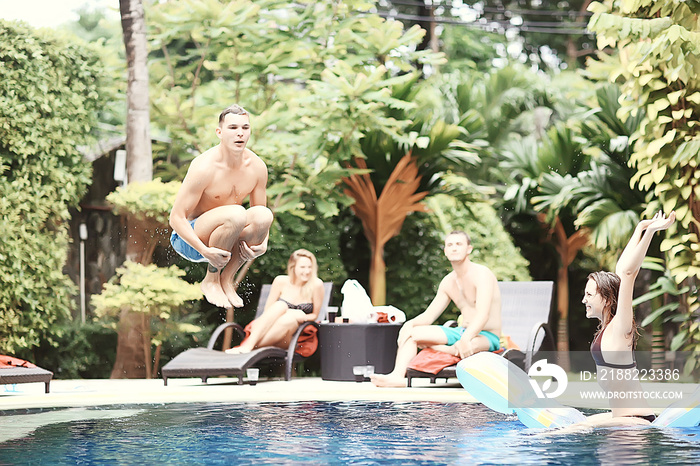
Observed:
{"x":232,"y":213}
{"x":233,"y":224}
{"x":259,"y":215}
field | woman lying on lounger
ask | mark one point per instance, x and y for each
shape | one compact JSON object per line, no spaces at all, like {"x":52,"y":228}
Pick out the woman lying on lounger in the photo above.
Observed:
{"x":294,"y":298}
{"x":608,"y":297}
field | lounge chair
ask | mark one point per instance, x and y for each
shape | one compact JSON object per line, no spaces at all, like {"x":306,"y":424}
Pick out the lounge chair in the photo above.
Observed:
{"x":525,"y":310}
{"x":208,"y":362}
{"x":13,"y":370}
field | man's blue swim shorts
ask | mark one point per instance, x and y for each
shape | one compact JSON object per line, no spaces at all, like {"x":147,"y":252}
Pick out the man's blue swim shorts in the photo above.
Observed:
{"x":184,"y":249}
{"x":453,"y":335}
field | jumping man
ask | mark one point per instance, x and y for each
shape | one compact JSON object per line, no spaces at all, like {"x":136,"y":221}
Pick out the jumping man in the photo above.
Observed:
{"x":208,"y":219}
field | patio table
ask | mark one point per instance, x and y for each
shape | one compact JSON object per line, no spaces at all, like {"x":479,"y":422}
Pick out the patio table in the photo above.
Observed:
{"x":344,"y":345}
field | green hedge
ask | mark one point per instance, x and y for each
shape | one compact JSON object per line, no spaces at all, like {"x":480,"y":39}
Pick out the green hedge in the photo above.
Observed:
{"x":49,"y":101}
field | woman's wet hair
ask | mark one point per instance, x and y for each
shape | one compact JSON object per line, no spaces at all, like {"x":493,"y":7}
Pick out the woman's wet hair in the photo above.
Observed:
{"x":608,"y":287}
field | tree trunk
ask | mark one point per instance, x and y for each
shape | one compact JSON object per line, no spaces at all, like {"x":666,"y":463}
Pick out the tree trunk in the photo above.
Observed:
{"x":377,"y":276}
{"x":563,"y":357}
{"x":130,"y":362}
{"x":567,"y":247}
{"x":430,"y":40}
{"x":658,"y":347}
{"x":139,"y":162}
{"x":156,"y":361}
{"x":146,"y":341}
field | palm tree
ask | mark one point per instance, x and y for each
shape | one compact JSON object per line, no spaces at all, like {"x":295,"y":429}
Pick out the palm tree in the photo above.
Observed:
{"x":546,"y":168}
{"x":595,"y":192}
{"x":138,"y":138}
{"x":491,"y":108}
{"x":607,"y":204}
{"x":139,"y":169}
{"x":383,"y":216}
{"x":403,"y":173}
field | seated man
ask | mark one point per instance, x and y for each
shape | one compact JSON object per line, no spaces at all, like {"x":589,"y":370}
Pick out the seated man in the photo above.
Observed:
{"x":474,"y":290}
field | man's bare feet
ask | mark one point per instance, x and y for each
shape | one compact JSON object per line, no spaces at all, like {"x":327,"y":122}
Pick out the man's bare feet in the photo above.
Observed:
{"x":231,"y":295}
{"x":388,"y":380}
{"x":214,"y":294}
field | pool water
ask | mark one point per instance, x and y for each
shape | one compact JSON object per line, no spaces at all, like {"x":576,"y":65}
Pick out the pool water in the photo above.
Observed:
{"x":320,"y":433}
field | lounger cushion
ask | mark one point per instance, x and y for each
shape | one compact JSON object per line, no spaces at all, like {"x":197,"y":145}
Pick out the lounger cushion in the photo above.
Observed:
{"x":9,"y":361}
{"x":203,"y":362}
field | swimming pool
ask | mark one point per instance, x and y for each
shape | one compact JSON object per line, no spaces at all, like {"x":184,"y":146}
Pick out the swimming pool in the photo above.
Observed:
{"x":319,"y":433}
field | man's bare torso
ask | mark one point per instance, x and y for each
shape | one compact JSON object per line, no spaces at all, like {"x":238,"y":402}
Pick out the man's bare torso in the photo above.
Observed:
{"x":226,"y":184}
{"x":463,"y":293}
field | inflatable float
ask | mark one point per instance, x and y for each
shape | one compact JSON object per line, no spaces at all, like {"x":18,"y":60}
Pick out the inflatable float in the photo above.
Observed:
{"x":504,"y":387}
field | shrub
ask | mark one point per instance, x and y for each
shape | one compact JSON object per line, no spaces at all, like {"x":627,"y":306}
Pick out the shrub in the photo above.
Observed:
{"x":49,"y":100}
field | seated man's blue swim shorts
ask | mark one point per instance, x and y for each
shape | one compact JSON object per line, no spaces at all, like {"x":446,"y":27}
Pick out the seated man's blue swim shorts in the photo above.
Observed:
{"x":453,"y":335}
{"x":184,"y":249}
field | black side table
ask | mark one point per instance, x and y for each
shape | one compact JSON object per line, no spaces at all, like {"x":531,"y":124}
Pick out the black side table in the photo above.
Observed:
{"x":346,"y":345}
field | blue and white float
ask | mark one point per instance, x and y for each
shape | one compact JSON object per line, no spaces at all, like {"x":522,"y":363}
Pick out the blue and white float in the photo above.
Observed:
{"x":503,"y":387}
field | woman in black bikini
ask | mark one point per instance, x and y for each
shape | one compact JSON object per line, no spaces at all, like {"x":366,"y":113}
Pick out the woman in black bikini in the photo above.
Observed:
{"x":608,"y":297}
{"x":293,"y":299}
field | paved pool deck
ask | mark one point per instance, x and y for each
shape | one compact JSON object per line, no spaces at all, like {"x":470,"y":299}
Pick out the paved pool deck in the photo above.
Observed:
{"x":98,"y":392}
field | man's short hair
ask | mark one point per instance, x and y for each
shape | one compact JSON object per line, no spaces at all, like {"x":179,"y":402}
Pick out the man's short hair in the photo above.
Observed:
{"x":235,"y":109}
{"x":460,"y":232}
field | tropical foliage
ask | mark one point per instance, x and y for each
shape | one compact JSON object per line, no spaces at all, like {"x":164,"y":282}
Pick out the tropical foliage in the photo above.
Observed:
{"x":575,"y":182}
{"x":51,"y":95}
{"x":399,"y":173}
{"x":329,"y":70}
{"x":155,"y":293}
{"x":656,"y":55}
{"x":346,"y":107}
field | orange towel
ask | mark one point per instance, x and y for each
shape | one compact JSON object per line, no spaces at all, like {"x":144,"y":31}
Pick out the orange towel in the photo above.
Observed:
{"x":9,"y":361}
{"x":431,"y":361}
{"x":307,"y":344}
{"x":308,"y":341}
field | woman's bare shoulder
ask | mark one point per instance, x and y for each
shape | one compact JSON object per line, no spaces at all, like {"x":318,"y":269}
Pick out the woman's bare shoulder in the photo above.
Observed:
{"x":318,"y":283}
{"x":281,"y":280}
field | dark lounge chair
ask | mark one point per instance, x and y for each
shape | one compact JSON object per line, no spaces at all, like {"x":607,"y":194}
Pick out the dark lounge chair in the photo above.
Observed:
{"x":13,"y":370}
{"x":208,"y":362}
{"x":525,"y":311}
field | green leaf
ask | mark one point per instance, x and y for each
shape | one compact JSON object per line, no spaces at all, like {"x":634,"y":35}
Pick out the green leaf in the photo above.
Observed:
{"x":658,"y":312}
{"x":678,"y":341}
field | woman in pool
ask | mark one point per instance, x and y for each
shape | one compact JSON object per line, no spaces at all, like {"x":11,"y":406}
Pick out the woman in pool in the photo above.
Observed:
{"x":294,"y":298}
{"x":608,"y":297}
